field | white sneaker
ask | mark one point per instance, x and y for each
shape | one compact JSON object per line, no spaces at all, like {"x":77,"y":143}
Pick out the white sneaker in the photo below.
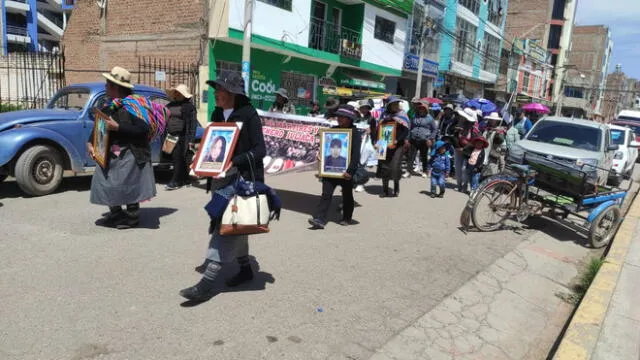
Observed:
{"x":424,"y":175}
{"x":359,"y":188}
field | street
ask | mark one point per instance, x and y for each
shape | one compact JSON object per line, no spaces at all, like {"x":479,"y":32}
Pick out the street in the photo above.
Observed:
{"x":73,"y":290}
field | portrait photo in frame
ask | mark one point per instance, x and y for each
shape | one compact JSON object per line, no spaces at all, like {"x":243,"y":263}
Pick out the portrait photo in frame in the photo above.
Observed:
{"x":335,"y":152}
{"x":387,"y":134}
{"x":100,"y":139}
{"x":216,"y":149}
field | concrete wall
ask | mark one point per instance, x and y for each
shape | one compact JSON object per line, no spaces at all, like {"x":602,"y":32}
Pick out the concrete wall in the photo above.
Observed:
{"x":273,"y":22}
{"x":380,"y":52}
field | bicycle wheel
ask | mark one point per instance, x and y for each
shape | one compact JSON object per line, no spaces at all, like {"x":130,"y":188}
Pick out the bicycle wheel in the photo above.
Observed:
{"x":604,"y":227}
{"x":493,"y":205}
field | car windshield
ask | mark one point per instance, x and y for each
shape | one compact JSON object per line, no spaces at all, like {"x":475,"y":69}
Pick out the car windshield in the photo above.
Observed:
{"x":627,"y":117}
{"x":617,"y":137}
{"x":634,"y":128}
{"x":567,"y":134}
{"x":70,"y":99}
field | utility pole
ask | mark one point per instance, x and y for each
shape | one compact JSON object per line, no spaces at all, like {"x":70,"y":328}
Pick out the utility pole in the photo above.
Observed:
{"x":428,"y":28}
{"x":246,"y":44}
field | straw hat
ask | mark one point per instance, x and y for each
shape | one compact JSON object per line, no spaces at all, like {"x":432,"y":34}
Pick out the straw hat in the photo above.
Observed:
{"x":469,"y":114}
{"x":283,"y":92}
{"x":181,"y":89}
{"x":119,"y":76}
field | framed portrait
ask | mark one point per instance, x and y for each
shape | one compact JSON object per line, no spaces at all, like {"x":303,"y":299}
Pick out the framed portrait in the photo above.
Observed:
{"x":387,"y":133}
{"x":216,"y":149}
{"x":381,"y":149}
{"x":335,"y":147}
{"x":100,"y":139}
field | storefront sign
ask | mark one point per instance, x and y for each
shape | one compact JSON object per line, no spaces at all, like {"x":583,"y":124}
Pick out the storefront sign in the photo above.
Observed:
{"x":429,"y":68}
{"x":523,"y":99}
{"x":537,"y":52}
{"x":351,"y":49}
{"x":262,"y":87}
{"x":439,"y":82}
{"x":325,"y":81}
{"x":355,"y":82}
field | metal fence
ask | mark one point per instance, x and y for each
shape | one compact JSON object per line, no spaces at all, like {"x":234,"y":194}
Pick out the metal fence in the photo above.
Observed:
{"x":29,"y":79}
{"x":167,"y":73}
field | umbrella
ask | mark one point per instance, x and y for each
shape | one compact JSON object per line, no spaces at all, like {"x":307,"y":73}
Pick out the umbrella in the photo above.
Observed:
{"x":486,"y":106}
{"x":432,"y":100}
{"x":537,"y":108}
{"x":455,"y":98}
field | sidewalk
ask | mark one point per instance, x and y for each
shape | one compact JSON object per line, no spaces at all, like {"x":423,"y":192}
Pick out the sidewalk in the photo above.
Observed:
{"x":606,"y":325}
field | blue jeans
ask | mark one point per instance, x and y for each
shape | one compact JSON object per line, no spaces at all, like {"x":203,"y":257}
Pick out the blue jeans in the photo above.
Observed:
{"x":437,"y":180}
{"x":473,"y":178}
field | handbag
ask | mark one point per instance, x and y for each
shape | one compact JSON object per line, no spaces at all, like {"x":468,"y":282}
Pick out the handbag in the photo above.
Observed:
{"x":361,"y":176}
{"x":169,"y":143}
{"x":246,"y":215}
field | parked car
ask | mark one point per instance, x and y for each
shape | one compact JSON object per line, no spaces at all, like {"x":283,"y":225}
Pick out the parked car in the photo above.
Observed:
{"x":579,"y":144}
{"x":628,"y":115}
{"x":36,"y":146}
{"x":627,"y":155}
{"x":631,"y":124}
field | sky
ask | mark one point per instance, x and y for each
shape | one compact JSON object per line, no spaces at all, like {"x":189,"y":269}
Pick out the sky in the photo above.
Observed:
{"x":623,"y":19}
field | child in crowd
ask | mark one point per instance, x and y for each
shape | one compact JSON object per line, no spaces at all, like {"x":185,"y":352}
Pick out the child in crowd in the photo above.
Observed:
{"x":438,"y":168}
{"x":475,"y":160}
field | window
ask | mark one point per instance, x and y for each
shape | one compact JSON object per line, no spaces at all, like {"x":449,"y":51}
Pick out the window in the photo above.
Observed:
{"x":574,"y":92}
{"x":416,"y":28}
{"x":228,"y":66}
{"x":473,"y":5}
{"x":385,"y":30}
{"x":554,"y":36}
{"x":300,"y":87}
{"x":491,"y":53}
{"x":558,"y":10}
{"x":466,"y":38}
{"x":525,"y":82}
{"x":494,"y":12}
{"x":75,"y":99}
{"x":282,"y":4}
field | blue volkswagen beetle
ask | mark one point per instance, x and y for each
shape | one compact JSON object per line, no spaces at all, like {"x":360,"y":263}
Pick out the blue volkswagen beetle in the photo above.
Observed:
{"x":37,"y":146}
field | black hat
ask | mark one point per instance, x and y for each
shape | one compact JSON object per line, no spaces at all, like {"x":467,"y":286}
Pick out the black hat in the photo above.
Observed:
{"x":347,"y":111}
{"x":335,"y":143}
{"x":230,"y":81}
{"x":332,"y":103}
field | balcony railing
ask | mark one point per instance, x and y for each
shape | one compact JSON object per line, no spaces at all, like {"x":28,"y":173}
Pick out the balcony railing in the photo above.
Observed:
{"x":16,"y":30}
{"x":327,"y":36}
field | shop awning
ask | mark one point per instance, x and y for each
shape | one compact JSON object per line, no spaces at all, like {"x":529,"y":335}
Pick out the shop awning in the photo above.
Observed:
{"x":361,"y":80}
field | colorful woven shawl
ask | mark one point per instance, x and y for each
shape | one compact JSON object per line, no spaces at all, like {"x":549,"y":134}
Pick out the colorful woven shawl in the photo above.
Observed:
{"x":154,"y":114}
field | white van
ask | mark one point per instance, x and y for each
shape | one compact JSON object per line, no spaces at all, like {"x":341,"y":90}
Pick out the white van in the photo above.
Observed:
{"x":630,"y":115}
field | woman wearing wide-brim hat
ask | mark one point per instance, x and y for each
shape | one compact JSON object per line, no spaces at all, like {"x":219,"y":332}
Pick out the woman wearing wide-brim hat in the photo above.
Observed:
{"x":128,"y":178}
{"x":391,"y":167}
{"x":465,"y":130}
{"x":233,"y":106}
{"x":182,"y":124}
{"x":282,"y":103}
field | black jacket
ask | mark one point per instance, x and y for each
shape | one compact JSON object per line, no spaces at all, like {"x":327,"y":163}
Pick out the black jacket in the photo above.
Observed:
{"x":250,"y":146}
{"x":132,"y":134}
{"x":183,"y":114}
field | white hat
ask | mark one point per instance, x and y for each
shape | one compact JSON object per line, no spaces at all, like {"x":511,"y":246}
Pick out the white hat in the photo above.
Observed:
{"x":182,"y":89}
{"x":119,"y":76}
{"x":493,"y":116}
{"x":479,"y":112}
{"x":283,"y":92}
{"x":449,"y":106}
{"x":468,"y":114}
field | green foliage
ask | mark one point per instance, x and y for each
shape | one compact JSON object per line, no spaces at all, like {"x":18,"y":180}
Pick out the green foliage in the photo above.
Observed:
{"x":4,"y":107}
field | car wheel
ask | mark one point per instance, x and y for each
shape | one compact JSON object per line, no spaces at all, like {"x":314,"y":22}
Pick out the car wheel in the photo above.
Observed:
{"x":3,"y":177}
{"x":39,"y":170}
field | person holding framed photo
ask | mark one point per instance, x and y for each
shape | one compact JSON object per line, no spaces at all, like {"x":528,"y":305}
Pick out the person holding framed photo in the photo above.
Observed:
{"x":182,"y":125}
{"x":393,"y":132}
{"x":232,"y":106}
{"x":128,"y":178}
{"x":346,"y":116}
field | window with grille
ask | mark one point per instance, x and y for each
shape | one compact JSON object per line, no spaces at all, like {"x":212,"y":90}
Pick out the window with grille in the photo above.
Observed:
{"x":494,"y":12}
{"x":300,"y":87}
{"x":228,"y":66}
{"x":282,"y":4}
{"x":473,"y":5}
{"x":525,"y":82}
{"x":465,"y":42}
{"x":491,"y":53}
{"x":416,"y":28}
{"x":384,"y":30}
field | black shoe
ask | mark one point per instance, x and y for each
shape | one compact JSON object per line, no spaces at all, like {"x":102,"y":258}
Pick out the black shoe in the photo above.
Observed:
{"x":194,"y":293}
{"x":432,"y":194}
{"x":317,"y":223}
{"x":111,"y":219}
{"x":348,"y":222}
{"x":127,"y":222}
{"x":172,"y":186}
{"x":243,"y":276}
{"x":202,"y":267}
{"x":441,"y":195}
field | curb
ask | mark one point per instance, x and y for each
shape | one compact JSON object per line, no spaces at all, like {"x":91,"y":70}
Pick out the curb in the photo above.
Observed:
{"x":582,"y":334}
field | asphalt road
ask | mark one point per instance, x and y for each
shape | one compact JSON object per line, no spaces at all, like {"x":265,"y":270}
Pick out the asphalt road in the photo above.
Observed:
{"x":73,"y":290}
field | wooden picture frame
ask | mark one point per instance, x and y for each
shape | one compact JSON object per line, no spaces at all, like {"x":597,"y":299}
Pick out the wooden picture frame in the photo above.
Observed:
{"x":216,"y":149}
{"x":334,"y":163}
{"x":100,"y":140}
{"x":387,"y":133}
